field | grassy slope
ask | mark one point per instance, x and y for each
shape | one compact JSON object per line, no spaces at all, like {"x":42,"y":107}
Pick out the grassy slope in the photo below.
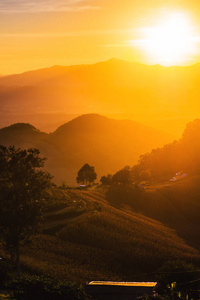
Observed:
{"x":176,"y":204}
{"x":89,"y":239}
{"x":183,"y":196}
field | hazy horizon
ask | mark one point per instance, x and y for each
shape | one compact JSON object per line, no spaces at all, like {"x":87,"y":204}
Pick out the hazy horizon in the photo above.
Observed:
{"x":36,"y":34}
{"x":102,"y":61}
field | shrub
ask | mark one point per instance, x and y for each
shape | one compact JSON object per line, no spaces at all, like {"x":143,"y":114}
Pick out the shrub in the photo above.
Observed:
{"x":177,"y":277}
{"x":45,"y":288}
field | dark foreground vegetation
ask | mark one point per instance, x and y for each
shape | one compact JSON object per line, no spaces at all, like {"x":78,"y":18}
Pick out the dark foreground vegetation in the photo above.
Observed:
{"x":33,"y":287}
{"x":175,"y":280}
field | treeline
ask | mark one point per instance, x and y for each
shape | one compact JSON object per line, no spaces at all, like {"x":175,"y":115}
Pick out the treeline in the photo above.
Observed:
{"x":162,"y":163}
{"x":182,"y":155}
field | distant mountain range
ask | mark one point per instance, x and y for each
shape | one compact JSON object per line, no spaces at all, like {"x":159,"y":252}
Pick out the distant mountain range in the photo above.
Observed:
{"x":104,"y":143}
{"x":164,"y":97}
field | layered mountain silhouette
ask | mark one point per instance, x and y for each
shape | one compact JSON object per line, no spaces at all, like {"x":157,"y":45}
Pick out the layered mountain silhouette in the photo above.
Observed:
{"x":105,"y":143}
{"x":114,"y":87}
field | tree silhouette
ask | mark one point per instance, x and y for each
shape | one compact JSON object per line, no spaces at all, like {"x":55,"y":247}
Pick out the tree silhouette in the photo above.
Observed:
{"x":21,"y":191}
{"x":123,"y":176}
{"x":106,"y":180}
{"x":86,"y":174}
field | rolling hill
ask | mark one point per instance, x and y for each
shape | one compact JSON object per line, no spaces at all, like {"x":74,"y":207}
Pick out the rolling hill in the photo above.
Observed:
{"x":21,"y":135}
{"x":89,"y":239}
{"x":171,"y":194}
{"x":166,"y":97}
{"x":105,"y":143}
{"x":175,"y":204}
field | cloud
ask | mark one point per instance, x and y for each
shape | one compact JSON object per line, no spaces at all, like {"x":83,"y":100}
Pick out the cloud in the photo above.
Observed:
{"x":34,"y":6}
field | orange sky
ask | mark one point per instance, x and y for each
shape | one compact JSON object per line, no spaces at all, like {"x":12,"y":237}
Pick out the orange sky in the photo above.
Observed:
{"x":41,"y":33}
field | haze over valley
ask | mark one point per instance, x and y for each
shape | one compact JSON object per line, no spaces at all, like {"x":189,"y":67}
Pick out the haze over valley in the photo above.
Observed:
{"x":119,"y":89}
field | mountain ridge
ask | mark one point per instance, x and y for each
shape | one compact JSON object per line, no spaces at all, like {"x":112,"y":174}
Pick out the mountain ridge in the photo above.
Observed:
{"x":106,"y":143}
{"x":163,"y":95}
{"x":111,"y":60}
{"x":61,"y":70}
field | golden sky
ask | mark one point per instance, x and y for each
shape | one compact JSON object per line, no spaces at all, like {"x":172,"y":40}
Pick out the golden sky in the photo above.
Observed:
{"x":41,"y":33}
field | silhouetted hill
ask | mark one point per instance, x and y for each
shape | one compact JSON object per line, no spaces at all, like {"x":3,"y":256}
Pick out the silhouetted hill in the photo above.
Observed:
{"x":166,"y":94}
{"x":36,"y":77}
{"x":105,"y":143}
{"x":21,"y":135}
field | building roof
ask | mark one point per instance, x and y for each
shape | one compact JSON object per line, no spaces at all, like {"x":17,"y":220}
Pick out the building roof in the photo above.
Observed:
{"x":116,"y":283}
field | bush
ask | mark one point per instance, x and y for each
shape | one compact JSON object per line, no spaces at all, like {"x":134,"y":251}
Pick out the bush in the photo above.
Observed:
{"x":44,"y":288}
{"x":177,"y":277}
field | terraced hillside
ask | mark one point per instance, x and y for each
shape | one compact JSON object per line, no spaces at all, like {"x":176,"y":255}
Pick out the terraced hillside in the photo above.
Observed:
{"x":86,"y":238}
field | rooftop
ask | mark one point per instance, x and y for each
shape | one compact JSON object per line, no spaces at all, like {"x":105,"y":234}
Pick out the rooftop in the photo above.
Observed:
{"x":141,"y":284}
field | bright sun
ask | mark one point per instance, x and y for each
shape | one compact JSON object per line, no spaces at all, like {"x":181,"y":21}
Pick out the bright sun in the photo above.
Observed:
{"x":172,"y":42}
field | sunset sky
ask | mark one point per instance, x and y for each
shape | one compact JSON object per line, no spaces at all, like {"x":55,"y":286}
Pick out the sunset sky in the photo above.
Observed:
{"x":41,"y":33}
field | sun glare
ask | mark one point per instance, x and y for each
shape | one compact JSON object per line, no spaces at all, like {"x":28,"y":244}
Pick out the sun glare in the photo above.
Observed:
{"x":171,"y":42}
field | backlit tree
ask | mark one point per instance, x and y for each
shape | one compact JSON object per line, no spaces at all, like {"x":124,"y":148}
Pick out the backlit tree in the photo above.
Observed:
{"x":86,"y":175}
{"x":22,"y":184}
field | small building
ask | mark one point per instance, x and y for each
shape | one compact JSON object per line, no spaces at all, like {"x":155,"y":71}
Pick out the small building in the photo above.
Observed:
{"x":111,"y":290}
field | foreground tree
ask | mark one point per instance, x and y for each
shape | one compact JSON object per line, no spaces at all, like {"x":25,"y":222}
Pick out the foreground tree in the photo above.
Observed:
{"x":86,"y":175}
{"x":22,"y":184}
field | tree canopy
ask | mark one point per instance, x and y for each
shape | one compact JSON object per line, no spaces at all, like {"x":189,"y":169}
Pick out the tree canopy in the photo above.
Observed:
{"x":123,"y":176}
{"x":86,"y":174}
{"x":106,"y":180}
{"x":21,"y":191}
